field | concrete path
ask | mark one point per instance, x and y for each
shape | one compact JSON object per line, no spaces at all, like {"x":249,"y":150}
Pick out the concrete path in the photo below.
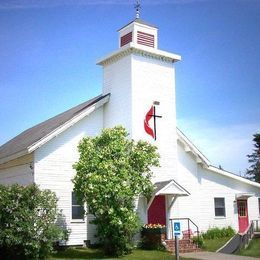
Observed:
{"x":215,"y":256}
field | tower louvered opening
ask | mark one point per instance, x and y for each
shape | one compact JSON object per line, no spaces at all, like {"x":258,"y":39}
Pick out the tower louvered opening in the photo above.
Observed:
{"x":145,"y":39}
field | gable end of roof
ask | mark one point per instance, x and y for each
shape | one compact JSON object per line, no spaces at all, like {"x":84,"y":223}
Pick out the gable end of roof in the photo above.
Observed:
{"x":34,"y":137}
{"x":201,"y":159}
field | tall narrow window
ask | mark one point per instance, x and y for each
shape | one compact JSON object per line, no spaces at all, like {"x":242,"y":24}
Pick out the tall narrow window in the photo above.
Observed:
{"x":220,"y":210}
{"x":259,"y":205}
{"x":77,"y":207}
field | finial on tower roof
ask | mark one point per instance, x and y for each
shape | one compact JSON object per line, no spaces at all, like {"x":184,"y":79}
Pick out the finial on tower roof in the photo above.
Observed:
{"x":137,"y":8}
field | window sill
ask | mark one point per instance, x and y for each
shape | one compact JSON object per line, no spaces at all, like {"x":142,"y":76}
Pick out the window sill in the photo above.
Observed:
{"x":77,"y":221}
{"x":220,"y":217}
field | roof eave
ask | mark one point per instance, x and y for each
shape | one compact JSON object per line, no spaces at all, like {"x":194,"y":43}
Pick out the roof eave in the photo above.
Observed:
{"x":14,"y":156}
{"x":233,"y":176}
{"x":139,"y":21}
{"x":87,"y":111}
{"x":201,"y":158}
{"x":206,"y":163}
{"x":183,"y":192}
{"x":144,"y":50}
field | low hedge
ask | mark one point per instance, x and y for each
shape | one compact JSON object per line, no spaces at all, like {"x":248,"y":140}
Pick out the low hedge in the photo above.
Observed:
{"x":216,"y":232}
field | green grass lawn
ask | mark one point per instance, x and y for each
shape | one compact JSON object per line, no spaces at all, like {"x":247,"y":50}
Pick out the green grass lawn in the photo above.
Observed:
{"x":252,"y":250}
{"x":213,"y":245}
{"x":86,"y":253}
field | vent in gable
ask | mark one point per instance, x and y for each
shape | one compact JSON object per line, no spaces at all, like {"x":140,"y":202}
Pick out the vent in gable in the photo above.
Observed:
{"x":145,"y":39}
{"x":126,"y":39}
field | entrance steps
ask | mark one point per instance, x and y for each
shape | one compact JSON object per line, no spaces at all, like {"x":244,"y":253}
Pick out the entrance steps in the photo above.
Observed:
{"x":185,"y":246}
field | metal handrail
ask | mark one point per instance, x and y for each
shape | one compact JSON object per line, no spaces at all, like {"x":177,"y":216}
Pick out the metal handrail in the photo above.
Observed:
{"x":246,"y":236}
{"x":189,"y":220}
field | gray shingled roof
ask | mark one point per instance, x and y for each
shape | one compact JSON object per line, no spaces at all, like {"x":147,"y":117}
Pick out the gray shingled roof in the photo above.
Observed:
{"x":138,"y":20}
{"x":36,"y":133}
{"x":160,"y":185}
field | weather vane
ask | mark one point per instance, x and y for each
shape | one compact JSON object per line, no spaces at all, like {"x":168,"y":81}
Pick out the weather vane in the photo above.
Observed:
{"x":137,"y":8}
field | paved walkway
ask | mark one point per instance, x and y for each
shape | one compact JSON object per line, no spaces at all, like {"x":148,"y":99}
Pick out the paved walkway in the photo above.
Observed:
{"x":216,"y":256}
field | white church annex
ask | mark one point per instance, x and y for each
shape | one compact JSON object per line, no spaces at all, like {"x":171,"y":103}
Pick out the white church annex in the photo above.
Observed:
{"x":139,"y":94}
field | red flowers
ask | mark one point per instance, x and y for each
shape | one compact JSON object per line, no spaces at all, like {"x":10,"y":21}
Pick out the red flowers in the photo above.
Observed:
{"x":149,"y":226}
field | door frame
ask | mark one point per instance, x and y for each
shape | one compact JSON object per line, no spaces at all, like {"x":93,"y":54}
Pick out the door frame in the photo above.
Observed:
{"x":240,"y":218}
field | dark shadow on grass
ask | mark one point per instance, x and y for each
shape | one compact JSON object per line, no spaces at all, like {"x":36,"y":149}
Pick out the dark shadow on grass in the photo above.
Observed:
{"x":138,"y":254}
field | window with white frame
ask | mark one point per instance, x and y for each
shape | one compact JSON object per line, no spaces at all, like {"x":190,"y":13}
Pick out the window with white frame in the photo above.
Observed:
{"x":77,"y":207}
{"x":220,"y":210}
{"x":259,"y":205}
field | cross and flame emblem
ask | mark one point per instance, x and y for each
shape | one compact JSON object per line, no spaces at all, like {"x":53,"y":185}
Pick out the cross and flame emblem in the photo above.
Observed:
{"x":149,"y":115}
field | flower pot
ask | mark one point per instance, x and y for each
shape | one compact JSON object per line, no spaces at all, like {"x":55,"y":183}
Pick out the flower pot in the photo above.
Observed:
{"x":153,"y":230}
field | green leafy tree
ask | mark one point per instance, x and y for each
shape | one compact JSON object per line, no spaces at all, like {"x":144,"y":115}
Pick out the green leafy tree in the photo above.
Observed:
{"x":27,"y":222}
{"x":112,"y":172}
{"x":253,"y":173}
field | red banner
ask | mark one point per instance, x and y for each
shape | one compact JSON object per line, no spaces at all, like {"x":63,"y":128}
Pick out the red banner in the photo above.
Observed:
{"x":148,"y":117}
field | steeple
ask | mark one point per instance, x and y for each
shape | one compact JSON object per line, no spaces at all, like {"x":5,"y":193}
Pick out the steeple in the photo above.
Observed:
{"x":137,"y":8}
{"x":138,"y":76}
{"x":138,"y":32}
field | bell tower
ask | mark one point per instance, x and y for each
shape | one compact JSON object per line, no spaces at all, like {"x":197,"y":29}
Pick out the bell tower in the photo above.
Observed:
{"x":141,"y":81}
{"x":140,"y":33}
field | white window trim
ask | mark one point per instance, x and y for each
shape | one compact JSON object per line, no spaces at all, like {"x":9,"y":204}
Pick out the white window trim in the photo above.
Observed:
{"x":220,"y":217}
{"x":75,"y":220}
{"x":258,"y":207}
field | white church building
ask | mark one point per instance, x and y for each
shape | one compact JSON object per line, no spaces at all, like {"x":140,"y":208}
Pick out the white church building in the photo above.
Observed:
{"x":139,"y":94}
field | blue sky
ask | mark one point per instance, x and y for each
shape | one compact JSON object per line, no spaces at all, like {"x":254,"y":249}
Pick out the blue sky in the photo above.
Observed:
{"x":49,"y":48}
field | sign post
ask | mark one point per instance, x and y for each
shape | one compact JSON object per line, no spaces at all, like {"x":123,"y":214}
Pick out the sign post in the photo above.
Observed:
{"x":177,"y":232}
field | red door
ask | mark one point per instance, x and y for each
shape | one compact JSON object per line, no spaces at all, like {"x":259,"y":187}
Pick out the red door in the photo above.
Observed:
{"x":242,"y":215}
{"x":157,"y":211}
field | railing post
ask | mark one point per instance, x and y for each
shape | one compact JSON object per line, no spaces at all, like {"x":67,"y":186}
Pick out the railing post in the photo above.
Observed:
{"x":189,"y":227}
{"x":198,"y":239}
{"x":172,"y":228}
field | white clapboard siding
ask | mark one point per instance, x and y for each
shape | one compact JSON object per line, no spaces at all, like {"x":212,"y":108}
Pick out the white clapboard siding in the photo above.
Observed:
{"x":204,"y":185}
{"x":20,"y":174}
{"x":53,"y":170}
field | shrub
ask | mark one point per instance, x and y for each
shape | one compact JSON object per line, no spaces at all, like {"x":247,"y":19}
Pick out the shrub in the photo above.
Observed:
{"x":198,"y":240}
{"x":216,"y":232}
{"x":112,"y":172}
{"x":27,"y":217}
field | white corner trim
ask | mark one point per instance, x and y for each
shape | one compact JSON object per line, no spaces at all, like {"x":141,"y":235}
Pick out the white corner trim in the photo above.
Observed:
{"x":150,"y":202}
{"x":67,"y":124}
